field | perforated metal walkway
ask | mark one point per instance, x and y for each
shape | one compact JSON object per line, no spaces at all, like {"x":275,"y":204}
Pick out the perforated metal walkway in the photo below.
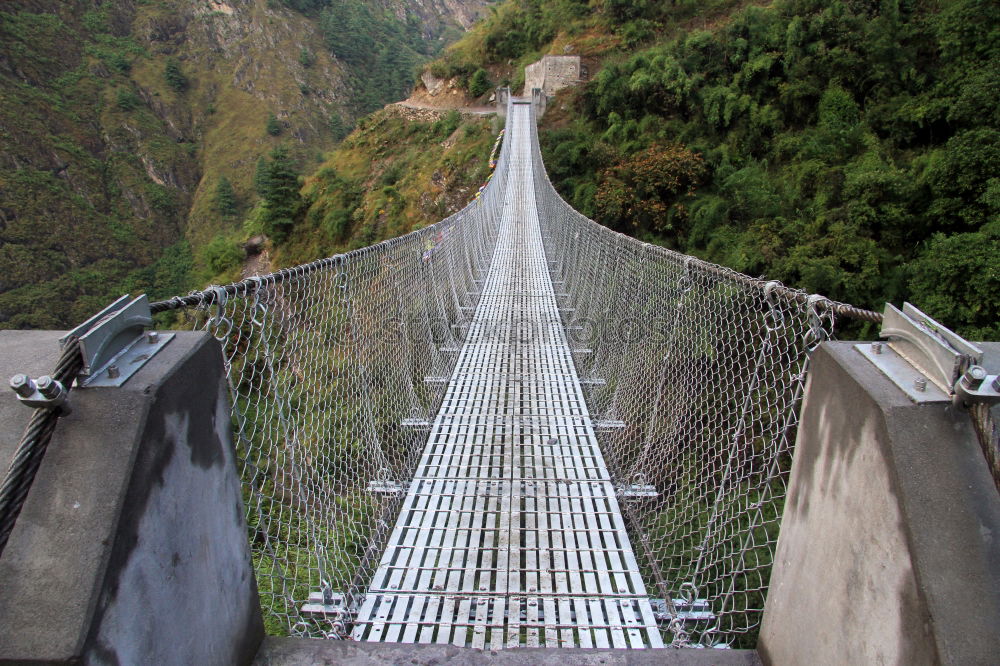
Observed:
{"x":510,"y":533}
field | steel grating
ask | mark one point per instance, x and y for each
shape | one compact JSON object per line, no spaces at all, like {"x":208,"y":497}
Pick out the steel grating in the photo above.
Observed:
{"x":510,"y":533}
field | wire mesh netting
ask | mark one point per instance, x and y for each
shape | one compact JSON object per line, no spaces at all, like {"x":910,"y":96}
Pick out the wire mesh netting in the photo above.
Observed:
{"x":698,"y":372}
{"x":693,"y":375}
{"x":329,"y":364}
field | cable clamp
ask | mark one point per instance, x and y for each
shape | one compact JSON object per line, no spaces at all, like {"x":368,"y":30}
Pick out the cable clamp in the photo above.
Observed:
{"x":41,"y":393}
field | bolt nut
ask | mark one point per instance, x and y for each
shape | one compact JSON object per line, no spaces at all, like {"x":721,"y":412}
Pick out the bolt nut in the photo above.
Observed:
{"x":113,"y":372}
{"x":996,"y":383}
{"x":22,"y":385}
{"x":876,"y":347}
{"x":152,"y":337}
{"x":974,"y":377}
{"x":48,"y":387}
{"x":920,"y":384}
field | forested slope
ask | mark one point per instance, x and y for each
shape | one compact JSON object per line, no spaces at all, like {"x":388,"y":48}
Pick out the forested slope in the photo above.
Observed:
{"x":132,"y":131}
{"x":849,"y":148}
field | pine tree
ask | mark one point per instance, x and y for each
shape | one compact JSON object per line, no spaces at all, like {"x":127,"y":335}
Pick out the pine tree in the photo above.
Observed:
{"x":281,"y":200}
{"x":225,"y":198}
{"x":261,"y":178}
{"x":338,"y":127}
{"x":306,"y":58}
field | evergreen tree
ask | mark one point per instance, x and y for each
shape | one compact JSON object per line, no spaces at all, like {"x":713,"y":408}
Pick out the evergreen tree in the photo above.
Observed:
{"x":281,"y":199}
{"x":338,"y":127}
{"x":306,"y":58}
{"x":174,"y":76}
{"x":272,"y":126}
{"x":225,"y":198}
{"x":261,"y":178}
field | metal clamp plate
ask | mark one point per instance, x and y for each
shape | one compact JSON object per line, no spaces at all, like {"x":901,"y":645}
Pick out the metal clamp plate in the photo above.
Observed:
{"x":922,"y":357}
{"x":901,"y":372}
{"x":936,"y":351}
{"x":113,"y":343}
{"x":128,"y":361}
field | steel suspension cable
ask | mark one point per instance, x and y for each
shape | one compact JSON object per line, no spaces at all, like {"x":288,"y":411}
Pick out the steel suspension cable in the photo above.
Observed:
{"x":34,"y":442}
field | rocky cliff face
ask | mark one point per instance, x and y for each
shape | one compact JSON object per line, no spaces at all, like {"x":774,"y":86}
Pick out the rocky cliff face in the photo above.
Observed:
{"x":436,"y":15}
{"x":118,"y":119}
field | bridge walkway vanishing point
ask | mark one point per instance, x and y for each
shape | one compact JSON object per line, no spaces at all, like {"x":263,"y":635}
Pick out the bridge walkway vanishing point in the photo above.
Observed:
{"x":510,"y":533}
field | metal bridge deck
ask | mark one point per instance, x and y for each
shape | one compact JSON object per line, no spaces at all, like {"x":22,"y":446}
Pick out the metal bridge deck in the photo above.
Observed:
{"x":510,"y":533}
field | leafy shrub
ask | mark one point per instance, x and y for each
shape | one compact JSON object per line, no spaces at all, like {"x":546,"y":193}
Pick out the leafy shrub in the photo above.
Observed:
{"x":221,"y":254}
{"x":126,"y":100}
{"x":647,"y":190}
{"x":480,"y":83}
{"x":447,"y":124}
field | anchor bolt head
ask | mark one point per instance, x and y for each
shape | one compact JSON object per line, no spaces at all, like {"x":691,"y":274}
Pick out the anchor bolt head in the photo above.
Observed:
{"x":22,"y":385}
{"x":974,"y":377}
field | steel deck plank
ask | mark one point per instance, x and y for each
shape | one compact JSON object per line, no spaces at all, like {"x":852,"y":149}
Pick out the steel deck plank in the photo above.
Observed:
{"x":510,"y":533}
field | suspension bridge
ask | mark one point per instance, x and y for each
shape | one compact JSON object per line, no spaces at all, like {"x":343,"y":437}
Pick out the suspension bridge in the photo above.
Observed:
{"x":515,"y":428}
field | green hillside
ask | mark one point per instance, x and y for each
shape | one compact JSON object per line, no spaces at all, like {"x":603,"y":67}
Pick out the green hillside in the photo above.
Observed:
{"x":847,"y":148}
{"x":131,"y":131}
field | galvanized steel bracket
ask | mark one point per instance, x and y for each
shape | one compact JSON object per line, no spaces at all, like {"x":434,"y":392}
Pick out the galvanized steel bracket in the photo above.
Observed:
{"x":114,"y":342}
{"x":922,"y":357}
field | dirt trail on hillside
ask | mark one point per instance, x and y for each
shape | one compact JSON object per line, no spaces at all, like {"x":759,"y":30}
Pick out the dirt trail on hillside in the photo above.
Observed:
{"x":423,"y":106}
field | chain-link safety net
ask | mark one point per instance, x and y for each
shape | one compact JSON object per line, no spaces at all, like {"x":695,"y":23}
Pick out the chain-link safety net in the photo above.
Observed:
{"x":693,"y":372}
{"x":331,"y":365}
{"x":696,"y":373}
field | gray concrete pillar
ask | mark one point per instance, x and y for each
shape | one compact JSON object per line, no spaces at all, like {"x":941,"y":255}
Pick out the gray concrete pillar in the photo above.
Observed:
{"x":889,"y":550}
{"x":132,"y":546}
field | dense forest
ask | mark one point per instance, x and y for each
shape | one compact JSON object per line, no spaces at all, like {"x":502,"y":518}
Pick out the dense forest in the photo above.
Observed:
{"x":846,"y":147}
{"x":383,"y":50}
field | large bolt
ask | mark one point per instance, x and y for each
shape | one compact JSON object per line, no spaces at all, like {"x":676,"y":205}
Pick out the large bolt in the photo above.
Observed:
{"x":48,"y":387}
{"x":876,"y":347}
{"x":974,"y":377}
{"x":113,"y":372}
{"x":996,"y":383}
{"x":22,"y":385}
{"x":152,"y":337}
